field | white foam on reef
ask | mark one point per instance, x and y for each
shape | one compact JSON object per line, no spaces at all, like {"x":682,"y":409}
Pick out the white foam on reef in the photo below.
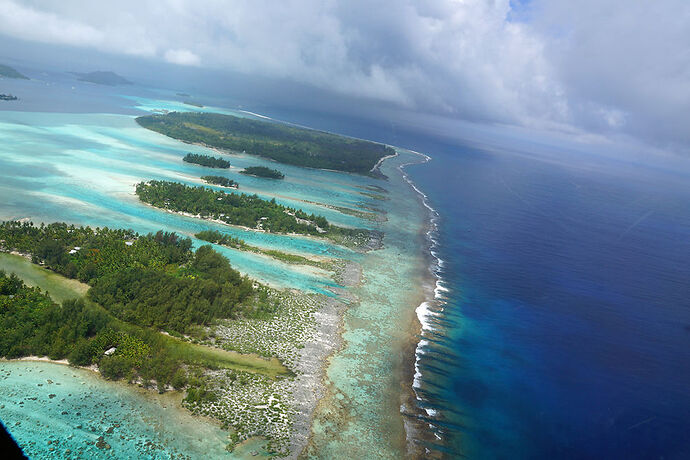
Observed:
{"x":381,"y":160}
{"x":417,"y":382}
{"x":256,"y":114}
{"x":424,"y":311}
{"x":440,"y":289}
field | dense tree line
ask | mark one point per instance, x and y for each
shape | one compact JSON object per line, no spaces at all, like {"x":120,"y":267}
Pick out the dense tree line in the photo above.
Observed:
{"x":263,"y":171}
{"x":206,"y":160}
{"x":280,"y":142}
{"x":32,"y":324}
{"x":207,"y":289}
{"x":232,"y":208}
{"x":216,"y":237}
{"x":220,"y":180}
{"x":151,"y":280}
{"x":100,"y":251}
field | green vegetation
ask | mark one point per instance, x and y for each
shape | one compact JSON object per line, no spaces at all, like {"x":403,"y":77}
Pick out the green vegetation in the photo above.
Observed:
{"x":8,"y":72}
{"x":277,"y":141}
{"x":152,"y":280}
{"x":247,"y":210}
{"x":216,"y":237}
{"x":206,"y":289}
{"x":193,"y":104}
{"x":58,"y":287}
{"x":220,"y":180}
{"x":140,"y":285}
{"x":231,"y":208}
{"x":206,"y":160}
{"x":144,"y":283}
{"x":84,"y":333}
{"x":262,"y":171}
{"x":103,"y":78}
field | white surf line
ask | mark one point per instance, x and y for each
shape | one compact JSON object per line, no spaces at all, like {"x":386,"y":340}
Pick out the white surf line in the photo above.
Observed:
{"x":381,"y":160}
{"x":425,"y":314}
{"x":256,"y":114}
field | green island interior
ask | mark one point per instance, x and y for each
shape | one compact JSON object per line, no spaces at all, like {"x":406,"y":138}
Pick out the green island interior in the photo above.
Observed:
{"x":277,"y":141}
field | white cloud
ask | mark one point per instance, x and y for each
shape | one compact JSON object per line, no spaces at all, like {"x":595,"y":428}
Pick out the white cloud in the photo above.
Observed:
{"x":182,"y":57}
{"x":598,"y":65}
{"x":35,"y":25}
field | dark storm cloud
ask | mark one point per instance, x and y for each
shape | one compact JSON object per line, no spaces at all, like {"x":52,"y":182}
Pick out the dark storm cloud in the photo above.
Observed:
{"x":604,"y":66}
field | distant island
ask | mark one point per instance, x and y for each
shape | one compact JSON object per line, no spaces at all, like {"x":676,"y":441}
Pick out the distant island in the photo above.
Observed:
{"x":193,"y":104}
{"x":231,"y":208}
{"x":220,"y":180}
{"x":8,"y":97}
{"x":277,"y":141}
{"x":262,"y":171}
{"x":184,"y":95}
{"x":103,"y":78}
{"x":206,"y":160}
{"x":246,"y":210}
{"x":8,"y":72}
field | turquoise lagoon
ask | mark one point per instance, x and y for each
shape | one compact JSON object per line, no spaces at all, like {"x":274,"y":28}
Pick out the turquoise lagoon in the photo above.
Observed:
{"x":82,"y":167}
{"x":370,"y":379}
{"x":56,"y":411}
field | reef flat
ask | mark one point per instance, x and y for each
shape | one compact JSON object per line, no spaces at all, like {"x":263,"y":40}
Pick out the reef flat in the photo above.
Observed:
{"x":310,"y":289}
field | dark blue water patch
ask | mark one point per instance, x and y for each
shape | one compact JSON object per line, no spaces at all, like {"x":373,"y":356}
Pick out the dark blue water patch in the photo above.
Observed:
{"x":572,"y":288}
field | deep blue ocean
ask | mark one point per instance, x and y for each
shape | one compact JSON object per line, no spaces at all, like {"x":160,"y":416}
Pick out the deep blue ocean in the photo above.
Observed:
{"x":567,"y":326}
{"x":565,"y":331}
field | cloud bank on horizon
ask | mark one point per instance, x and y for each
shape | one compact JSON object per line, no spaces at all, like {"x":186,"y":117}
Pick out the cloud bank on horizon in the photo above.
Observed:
{"x":598,"y":65}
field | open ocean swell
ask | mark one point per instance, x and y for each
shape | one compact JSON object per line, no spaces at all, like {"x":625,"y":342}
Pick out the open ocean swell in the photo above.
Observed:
{"x":560,"y":319}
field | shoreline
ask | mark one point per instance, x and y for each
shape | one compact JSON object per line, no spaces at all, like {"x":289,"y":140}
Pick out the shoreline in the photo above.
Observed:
{"x":330,"y":324}
{"x":375,"y":240}
{"x":170,"y":399}
{"x":333,"y":430}
{"x":418,"y":419}
{"x":381,"y":160}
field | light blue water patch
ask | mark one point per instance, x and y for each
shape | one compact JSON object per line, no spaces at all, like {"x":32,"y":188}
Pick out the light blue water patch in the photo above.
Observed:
{"x":55,"y":411}
{"x":157,"y":105}
{"x":116,"y":145}
{"x":82,"y":169}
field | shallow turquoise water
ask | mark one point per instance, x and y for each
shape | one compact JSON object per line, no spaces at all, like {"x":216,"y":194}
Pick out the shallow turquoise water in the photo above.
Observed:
{"x":361,"y":416}
{"x":52,"y":408}
{"x":81,"y":168}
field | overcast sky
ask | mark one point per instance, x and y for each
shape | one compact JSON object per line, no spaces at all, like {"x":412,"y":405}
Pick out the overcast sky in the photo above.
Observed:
{"x":605,"y":66}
